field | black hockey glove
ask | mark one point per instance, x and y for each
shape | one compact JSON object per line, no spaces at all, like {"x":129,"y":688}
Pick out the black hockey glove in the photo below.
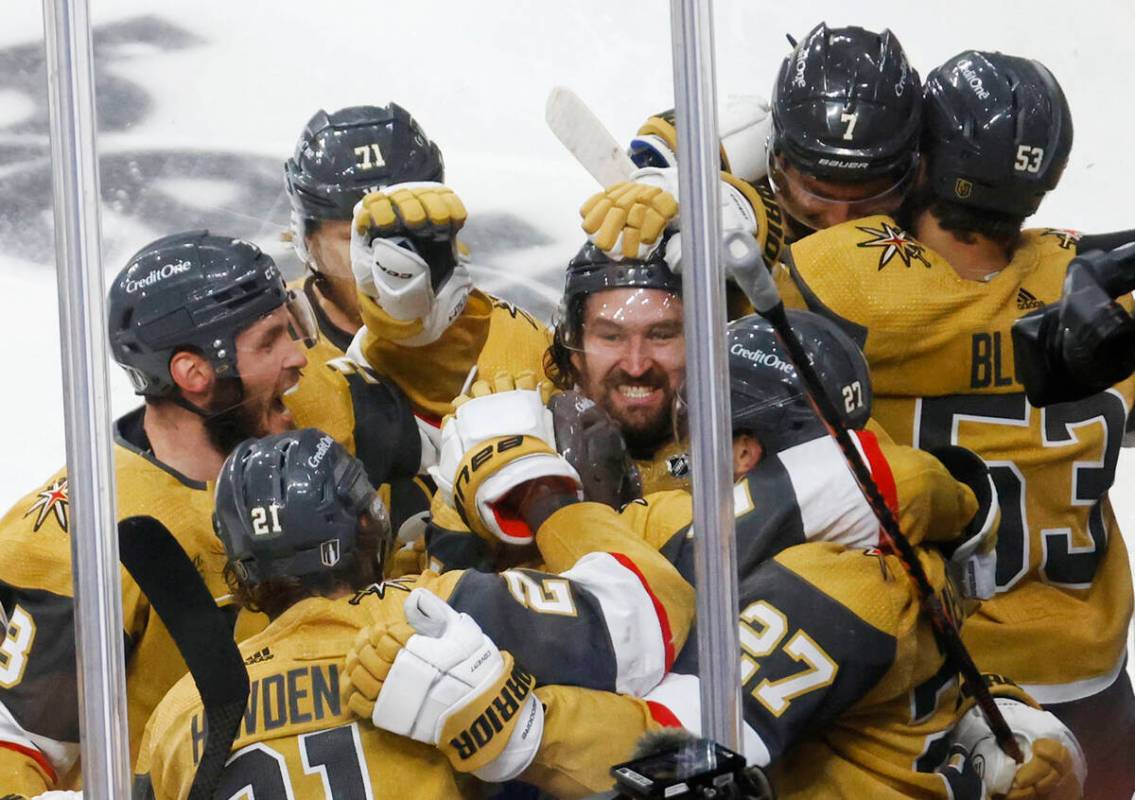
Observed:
{"x":1085,"y":342}
{"x":592,"y":443}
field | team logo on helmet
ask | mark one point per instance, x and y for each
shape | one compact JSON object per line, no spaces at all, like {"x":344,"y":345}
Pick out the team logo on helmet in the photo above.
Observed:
{"x":1068,"y":237}
{"x":963,"y":188}
{"x":52,"y":499}
{"x":329,"y":552}
{"x":894,"y":242}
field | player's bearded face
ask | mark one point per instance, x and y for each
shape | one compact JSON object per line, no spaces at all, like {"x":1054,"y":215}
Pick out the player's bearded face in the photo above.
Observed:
{"x":632,"y":360}
{"x":268,"y":361}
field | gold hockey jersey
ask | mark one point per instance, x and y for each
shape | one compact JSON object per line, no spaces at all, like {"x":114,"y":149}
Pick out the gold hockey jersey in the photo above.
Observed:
{"x":845,"y":691}
{"x":490,"y":333}
{"x":39,"y":706}
{"x":611,"y":620}
{"x":942,"y":368}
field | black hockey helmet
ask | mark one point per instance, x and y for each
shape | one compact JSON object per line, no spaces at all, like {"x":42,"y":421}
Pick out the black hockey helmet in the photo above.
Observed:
{"x":343,"y":155}
{"x":767,"y":397}
{"x":998,"y":132}
{"x":591,"y":271}
{"x":288,"y":506}
{"x":846,"y":106}
{"x":197,"y":291}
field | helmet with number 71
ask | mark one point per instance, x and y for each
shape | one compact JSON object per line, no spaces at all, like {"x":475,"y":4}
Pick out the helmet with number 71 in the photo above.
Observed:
{"x":766,"y":396}
{"x":343,"y":155}
{"x":997,"y":133}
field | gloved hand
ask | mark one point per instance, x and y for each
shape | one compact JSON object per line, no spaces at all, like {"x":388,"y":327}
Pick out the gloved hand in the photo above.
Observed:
{"x":404,"y":257}
{"x":438,"y":679}
{"x":972,"y":557}
{"x":744,"y":126}
{"x":627,"y":220}
{"x":1084,"y":342}
{"x":1054,"y":765}
{"x":499,"y":437}
{"x":593,"y":444}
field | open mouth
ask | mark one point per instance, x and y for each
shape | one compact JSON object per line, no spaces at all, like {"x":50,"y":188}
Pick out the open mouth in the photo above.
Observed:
{"x":637,"y":393}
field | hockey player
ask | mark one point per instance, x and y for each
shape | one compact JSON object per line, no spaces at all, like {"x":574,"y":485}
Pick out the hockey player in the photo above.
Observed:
{"x":204,"y":327}
{"x":394,"y":280}
{"x":869,"y":712}
{"x":840,"y":139}
{"x":305,"y":534}
{"x":619,"y":341}
{"x":934,"y":309}
{"x":338,"y":159}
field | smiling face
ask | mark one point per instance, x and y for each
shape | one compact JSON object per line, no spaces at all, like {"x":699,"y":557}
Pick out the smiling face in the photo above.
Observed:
{"x":632,"y":360}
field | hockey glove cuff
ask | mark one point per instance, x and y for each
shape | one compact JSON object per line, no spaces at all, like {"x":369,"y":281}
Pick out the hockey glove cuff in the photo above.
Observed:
{"x":500,"y":437}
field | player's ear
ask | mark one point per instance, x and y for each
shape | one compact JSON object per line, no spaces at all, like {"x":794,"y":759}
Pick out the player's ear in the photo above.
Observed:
{"x":747,"y":453}
{"x":191,"y":372}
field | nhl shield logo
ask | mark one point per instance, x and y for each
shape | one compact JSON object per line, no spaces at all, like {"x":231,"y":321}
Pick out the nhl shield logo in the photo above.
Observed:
{"x":329,"y":552}
{"x":962,"y":188}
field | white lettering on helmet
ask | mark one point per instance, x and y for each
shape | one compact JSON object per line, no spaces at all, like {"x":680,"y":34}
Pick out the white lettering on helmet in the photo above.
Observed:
{"x":316,"y":458}
{"x":835,"y":162}
{"x":900,"y":87}
{"x":763,"y":358}
{"x":157,"y":275}
{"x":971,"y":76}
{"x":798,"y":67}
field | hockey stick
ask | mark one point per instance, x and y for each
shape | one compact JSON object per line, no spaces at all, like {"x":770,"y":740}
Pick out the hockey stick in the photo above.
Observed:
{"x":201,"y":631}
{"x":586,"y":138}
{"x":747,"y":268}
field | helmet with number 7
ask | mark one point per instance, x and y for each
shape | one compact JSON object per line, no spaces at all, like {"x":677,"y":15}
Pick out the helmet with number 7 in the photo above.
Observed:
{"x":289,"y":505}
{"x":768,"y":399}
{"x":997,"y":133}
{"x":846,"y":106}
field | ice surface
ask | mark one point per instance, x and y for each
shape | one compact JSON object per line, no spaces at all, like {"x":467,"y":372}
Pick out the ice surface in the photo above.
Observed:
{"x":200,"y":103}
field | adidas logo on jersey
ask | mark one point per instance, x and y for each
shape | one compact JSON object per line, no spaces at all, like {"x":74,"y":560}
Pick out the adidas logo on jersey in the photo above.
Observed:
{"x":1027,"y":301}
{"x":259,"y":657}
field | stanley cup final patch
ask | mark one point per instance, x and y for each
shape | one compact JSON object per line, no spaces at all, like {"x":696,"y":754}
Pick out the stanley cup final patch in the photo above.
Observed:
{"x":329,"y":552}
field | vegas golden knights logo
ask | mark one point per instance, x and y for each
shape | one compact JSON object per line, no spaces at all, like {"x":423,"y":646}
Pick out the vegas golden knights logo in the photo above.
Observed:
{"x":962,"y":188}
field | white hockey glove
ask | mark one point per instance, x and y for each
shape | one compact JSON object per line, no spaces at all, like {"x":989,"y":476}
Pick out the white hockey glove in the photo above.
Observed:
{"x":744,"y":125}
{"x":1054,"y":765}
{"x":441,"y":681}
{"x":58,"y":794}
{"x":500,"y":436}
{"x":404,"y":256}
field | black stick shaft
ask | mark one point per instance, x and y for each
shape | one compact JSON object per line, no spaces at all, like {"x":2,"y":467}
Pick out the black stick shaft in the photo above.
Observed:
{"x":943,"y":625}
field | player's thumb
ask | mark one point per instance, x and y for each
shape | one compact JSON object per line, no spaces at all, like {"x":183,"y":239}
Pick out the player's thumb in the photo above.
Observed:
{"x":429,"y":614}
